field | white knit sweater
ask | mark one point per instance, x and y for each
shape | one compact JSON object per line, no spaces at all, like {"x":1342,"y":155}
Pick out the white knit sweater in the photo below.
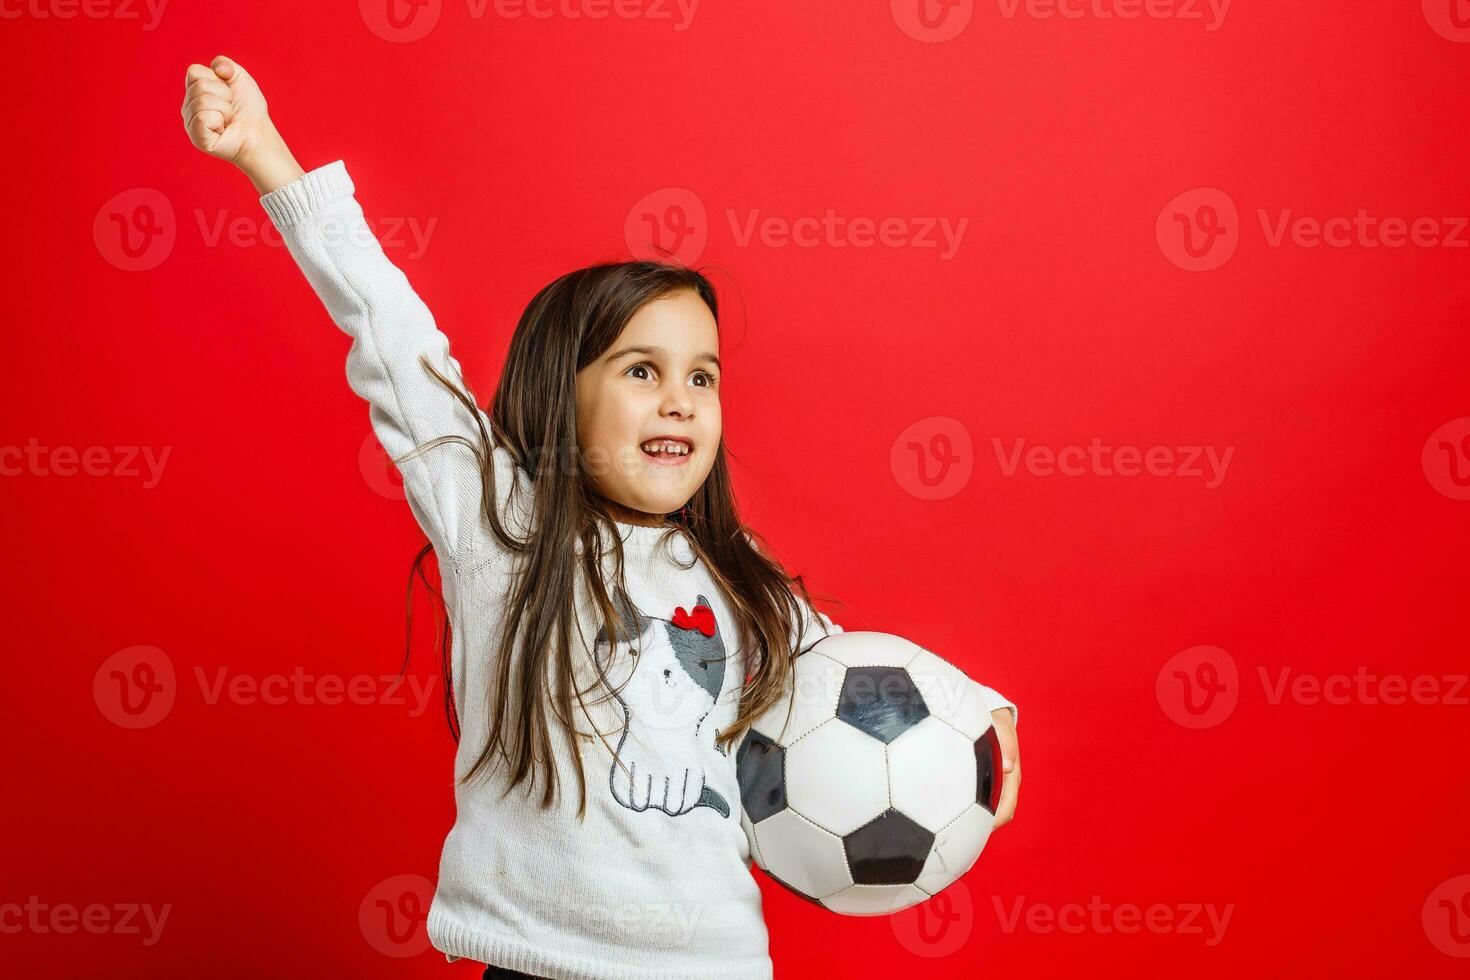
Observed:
{"x":656,"y":883}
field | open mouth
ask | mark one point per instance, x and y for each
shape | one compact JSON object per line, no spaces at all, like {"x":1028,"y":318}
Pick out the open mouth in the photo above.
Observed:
{"x":668,"y":450}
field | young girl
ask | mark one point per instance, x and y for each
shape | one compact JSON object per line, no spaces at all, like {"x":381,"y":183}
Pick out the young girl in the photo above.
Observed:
{"x":610,"y":613}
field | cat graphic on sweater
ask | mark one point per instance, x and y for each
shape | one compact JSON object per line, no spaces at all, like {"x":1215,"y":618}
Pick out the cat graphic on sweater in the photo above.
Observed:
{"x":678,"y":670}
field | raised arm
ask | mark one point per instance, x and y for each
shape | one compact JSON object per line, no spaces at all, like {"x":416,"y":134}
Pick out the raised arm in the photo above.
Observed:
{"x":370,"y":299}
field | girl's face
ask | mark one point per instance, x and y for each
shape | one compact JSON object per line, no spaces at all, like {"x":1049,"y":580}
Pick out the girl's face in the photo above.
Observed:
{"x":660,"y":378}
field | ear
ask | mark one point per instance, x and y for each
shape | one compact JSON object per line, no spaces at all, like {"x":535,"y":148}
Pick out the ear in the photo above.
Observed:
{"x":630,"y":622}
{"x":702,"y":601}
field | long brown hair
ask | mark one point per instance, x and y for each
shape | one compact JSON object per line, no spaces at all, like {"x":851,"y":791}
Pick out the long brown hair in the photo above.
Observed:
{"x":568,"y":325}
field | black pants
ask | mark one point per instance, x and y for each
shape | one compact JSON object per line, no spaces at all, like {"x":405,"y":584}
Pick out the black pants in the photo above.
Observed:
{"x":501,"y":973}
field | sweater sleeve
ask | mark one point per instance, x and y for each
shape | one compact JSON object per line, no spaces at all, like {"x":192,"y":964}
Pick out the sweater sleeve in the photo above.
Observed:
{"x":370,"y":299}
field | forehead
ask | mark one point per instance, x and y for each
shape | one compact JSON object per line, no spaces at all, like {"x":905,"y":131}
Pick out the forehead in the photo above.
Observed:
{"x":680,"y":323}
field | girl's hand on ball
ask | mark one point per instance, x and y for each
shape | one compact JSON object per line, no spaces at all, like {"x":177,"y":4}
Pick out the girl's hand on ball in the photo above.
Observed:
{"x":1010,"y":753}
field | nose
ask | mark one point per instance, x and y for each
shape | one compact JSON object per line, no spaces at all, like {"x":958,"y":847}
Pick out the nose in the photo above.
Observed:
{"x":678,"y":402}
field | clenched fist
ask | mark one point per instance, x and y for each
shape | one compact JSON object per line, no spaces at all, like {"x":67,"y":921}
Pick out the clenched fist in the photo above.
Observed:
{"x":225,"y":116}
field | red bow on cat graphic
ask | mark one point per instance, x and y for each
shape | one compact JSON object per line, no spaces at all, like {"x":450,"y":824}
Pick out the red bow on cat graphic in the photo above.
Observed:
{"x":702,"y":618}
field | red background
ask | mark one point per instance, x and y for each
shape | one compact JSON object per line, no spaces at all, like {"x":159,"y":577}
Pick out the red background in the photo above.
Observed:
{"x":264,"y":550}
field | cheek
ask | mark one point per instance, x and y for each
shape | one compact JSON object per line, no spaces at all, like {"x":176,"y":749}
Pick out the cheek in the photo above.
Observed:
{"x":598,"y":420}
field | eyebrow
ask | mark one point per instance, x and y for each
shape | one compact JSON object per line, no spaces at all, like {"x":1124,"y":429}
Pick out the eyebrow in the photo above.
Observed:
{"x":660,"y":352}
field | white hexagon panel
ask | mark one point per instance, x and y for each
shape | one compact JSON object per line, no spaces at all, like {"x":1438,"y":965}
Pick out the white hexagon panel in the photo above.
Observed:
{"x":816,"y":684}
{"x":837,"y":777}
{"x":931,"y":773}
{"x":811,"y":859}
{"x":862,"y":648}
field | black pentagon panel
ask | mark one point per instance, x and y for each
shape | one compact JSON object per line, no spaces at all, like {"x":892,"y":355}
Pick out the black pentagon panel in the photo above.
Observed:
{"x":890,"y":850}
{"x":988,"y":771}
{"x":794,"y":890}
{"x":881,"y":701}
{"x":760,"y":767}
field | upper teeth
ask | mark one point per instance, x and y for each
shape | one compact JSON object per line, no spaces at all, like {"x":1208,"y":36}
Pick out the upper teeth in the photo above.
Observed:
{"x":666,"y":446}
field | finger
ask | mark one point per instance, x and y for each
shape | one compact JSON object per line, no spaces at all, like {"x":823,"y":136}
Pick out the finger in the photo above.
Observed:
{"x":210,"y":84}
{"x":196,"y":72}
{"x":228,"y":69}
{"x":206,"y":102}
{"x":1005,"y":737}
{"x":205,"y":128}
{"x":1010,"y":790}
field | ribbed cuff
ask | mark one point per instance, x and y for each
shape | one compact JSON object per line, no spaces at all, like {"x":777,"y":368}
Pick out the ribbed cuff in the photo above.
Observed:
{"x":314,"y":189}
{"x":994,"y":700}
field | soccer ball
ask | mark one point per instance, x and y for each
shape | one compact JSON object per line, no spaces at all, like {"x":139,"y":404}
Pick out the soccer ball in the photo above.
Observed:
{"x":872,"y":785}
